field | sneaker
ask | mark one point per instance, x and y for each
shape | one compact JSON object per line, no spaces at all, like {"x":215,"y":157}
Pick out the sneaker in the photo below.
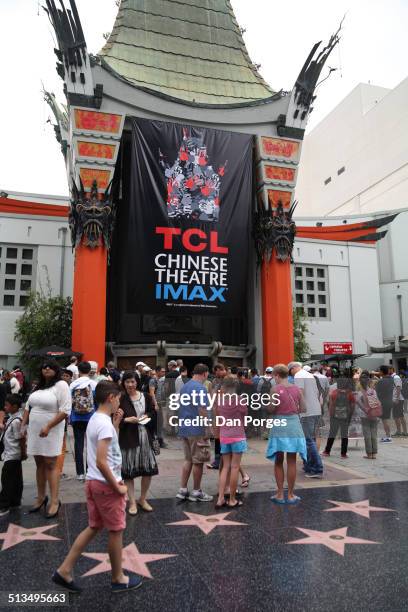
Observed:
{"x":309,"y":475}
{"x":183,"y":494}
{"x":81,"y":477}
{"x":325,"y":454}
{"x":4,"y":511}
{"x":386,"y":440}
{"x":200,"y":496}
{"x":344,"y":456}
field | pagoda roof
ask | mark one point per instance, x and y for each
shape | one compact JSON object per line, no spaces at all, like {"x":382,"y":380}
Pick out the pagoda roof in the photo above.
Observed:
{"x":188,"y":50}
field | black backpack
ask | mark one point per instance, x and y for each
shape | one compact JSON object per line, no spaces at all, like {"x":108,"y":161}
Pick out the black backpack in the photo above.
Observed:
{"x":264,"y":385}
{"x":405,"y":388}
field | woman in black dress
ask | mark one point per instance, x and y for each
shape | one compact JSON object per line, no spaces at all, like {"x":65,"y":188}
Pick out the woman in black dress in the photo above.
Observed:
{"x":136,"y":441}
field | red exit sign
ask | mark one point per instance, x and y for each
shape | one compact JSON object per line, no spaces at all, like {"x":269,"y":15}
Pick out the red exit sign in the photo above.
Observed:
{"x":338,"y":348}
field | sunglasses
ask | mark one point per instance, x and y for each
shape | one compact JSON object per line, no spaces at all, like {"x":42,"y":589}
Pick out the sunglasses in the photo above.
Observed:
{"x":46,"y":366}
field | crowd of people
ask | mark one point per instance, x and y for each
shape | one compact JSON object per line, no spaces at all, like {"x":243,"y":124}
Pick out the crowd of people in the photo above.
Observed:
{"x":124,"y":418}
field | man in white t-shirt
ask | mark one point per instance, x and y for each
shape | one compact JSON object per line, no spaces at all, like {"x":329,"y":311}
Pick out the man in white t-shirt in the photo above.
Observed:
{"x":105,"y":492}
{"x":73,"y":367}
{"x":398,"y":406}
{"x":306,"y":382}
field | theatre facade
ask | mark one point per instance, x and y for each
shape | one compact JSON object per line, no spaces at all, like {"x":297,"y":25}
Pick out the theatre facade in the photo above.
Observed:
{"x":181,"y":165}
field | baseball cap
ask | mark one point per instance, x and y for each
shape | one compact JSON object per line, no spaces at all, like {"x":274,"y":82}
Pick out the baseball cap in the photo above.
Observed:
{"x":140,"y":363}
{"x":269,"y":369}
{"x":146,"y":368}
{"x":307,"y":368}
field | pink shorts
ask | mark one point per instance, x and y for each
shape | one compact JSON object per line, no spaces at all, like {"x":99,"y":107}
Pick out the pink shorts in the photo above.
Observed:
{"x":106,"y":507}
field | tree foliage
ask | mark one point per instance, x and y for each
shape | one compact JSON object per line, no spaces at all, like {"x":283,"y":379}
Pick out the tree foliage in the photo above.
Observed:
{"x":300,"y":330}
{"x":46,"y":320}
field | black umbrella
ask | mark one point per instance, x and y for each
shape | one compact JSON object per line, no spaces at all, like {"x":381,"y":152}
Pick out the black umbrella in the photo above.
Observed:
{"x":52,"y":351}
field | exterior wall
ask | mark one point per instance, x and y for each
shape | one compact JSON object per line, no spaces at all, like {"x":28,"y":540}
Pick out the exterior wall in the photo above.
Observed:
{"x":367,"y":133}
{"x":45,"y":234}
{"x":355,"y":314}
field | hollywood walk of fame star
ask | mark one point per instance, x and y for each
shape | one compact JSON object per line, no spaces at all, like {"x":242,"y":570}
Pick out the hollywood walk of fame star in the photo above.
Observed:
{"x":132,"y":560}
{"x":207,"y":523}
{"x":362,"y":508}
{"x":16,"y":534}
{"x":336,"y":539}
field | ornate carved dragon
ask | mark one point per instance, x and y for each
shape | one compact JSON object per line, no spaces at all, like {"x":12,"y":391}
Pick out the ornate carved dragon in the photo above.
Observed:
{"x":274,"y":232}
{"x":91,"y":217}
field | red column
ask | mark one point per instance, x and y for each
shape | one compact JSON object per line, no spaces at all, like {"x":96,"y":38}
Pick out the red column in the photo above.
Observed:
{"x":89,"y":303}
{"x":277,"y":314}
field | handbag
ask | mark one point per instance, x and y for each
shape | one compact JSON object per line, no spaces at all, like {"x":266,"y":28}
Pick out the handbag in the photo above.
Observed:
{"x":156,"y":445}
{"x":23,"y":440}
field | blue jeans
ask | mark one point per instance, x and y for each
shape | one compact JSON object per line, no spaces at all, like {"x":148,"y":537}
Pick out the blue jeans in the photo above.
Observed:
{"x":314,"y":464}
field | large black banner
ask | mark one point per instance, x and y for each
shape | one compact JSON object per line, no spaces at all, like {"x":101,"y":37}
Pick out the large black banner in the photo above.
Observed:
{"x":188,"y":232}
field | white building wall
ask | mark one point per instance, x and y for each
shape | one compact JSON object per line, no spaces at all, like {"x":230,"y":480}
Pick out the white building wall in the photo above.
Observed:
{"x":45,"y":234}
{"x":367,"y":134}
{"x":355,"y":313}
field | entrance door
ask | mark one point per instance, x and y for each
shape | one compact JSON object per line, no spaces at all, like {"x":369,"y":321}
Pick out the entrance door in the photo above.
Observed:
{"x":190,"y":362}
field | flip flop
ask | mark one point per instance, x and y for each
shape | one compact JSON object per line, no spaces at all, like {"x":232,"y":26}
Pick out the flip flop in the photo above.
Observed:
{"x":245,"y":482}
{"x":219,"y":506}
{"x":236,"y":505}
{"x":296,"y":499}
{"x":280,"y":502}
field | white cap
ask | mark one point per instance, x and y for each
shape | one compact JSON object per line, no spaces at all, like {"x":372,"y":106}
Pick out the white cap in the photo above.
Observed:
{"x":146,"y":369}
{"x":140,"y":363}
{"x":94,"y":366}
{"x":307,"y":368}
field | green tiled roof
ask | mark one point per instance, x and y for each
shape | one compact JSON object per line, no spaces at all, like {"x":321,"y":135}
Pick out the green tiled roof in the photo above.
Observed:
{"x":191,"y":50}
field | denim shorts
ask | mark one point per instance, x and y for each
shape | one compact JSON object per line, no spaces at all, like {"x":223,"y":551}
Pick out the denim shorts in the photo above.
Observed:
{"x":234,"y":447}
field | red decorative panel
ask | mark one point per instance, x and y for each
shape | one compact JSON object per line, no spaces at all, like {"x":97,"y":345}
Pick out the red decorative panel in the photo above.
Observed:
{"x":95,"y":149}
{"x":275,"y":197}
{"x":89,"y":175}
{"x":278,"y":147}
{"x":277,"y":173}
{"x":97,"y":122}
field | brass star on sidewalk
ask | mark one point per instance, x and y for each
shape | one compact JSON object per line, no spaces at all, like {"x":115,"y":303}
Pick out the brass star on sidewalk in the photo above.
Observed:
{"x":336,"y":539}
{"x":16,"y":534}
{"x":207,"y":523}
{"x":362,"y":508}
{"x":132,"y":560}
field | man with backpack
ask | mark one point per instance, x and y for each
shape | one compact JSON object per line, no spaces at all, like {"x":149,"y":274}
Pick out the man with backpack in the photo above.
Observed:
{"x":341,"y":408}
{"x":385,"y":393}
{"x":83,"y":407}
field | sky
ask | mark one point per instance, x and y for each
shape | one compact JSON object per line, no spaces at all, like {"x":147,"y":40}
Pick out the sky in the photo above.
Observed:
{"x":279,"y":36}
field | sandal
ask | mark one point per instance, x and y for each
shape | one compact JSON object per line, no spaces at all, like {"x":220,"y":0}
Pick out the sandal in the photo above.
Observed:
{"x":245,"y":481}
{"x":238,"y":502}
{"x":277,"y":500}
{"x":219,"y":506}
{"x":295,"y":499}
{"x":132,"y":510}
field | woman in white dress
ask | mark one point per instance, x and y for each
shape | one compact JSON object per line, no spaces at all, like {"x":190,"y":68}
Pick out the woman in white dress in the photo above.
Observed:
{"x":46,"y":410}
